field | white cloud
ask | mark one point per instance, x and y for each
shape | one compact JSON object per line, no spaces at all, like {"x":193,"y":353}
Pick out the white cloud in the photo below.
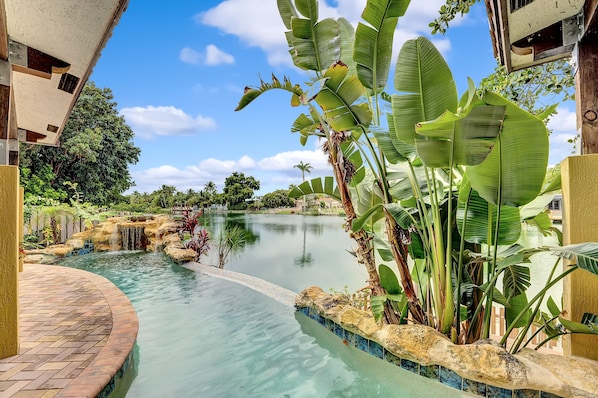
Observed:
{"x":215,"y":56}
{"x":212,"y":56}
{"x":265,"y":29}
{"x":275,"y":172}
{"x":563,"y":120}
{"x":564,"y":128}
{"x":150,"y":121}
{"x":285,"y":161}
{"x":190,"y":56}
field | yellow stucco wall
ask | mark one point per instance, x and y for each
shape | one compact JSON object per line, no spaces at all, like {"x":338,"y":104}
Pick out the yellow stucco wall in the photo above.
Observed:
{"x":9,"y":260}
{"x":21,"y":222}
{"x":580,"y":224}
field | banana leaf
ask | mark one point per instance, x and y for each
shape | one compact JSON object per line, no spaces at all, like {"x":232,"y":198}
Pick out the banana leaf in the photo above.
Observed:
{"x":324,"y":186}
{"x":373,"y":42}
{"x":459,"y":139}
{"x":481,"y":219}
{"x":313,"y":45}
{"x":251,"y":93}
{"x":426,"y":85}
{"x":584,"y":255}
{"x":513,"y":173}
{"x":337,"y":98}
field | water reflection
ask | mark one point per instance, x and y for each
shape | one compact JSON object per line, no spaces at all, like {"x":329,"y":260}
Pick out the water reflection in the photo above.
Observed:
{"x":306,"y":259}
{"x":294,"y":251}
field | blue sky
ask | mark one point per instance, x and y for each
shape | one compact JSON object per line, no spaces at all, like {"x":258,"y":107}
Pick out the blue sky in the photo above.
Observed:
{"x":178,"y":71}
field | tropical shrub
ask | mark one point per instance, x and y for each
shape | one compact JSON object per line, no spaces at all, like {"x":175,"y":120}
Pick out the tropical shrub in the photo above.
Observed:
{"x":438,"y":186}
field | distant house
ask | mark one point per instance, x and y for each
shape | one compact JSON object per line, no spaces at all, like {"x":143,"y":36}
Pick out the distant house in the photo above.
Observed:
{"x":555,"y":208}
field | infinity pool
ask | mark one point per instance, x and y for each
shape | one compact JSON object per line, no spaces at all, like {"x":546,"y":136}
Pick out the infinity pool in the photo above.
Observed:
{"x":201,"y":336}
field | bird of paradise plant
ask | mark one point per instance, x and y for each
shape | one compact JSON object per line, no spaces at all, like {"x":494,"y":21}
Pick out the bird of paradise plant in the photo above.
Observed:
{"x":437,"y":188}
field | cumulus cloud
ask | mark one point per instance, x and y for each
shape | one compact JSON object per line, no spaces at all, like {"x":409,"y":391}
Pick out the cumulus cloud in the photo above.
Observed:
{"x":212,"y":56}
{"x":190,"y":56}
{"x":564,"y":128}
{"x":286,"y":161}
{"x":265,"y":29}
{"x":151,"y":121}
{"x":215,"y":56}
{"x":274,"y":172}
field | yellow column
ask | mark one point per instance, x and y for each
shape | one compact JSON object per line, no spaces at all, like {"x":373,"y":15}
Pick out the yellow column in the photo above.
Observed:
{"x":9,"y":260}
{"x":21,"y":222}
{"x":580,"y":224}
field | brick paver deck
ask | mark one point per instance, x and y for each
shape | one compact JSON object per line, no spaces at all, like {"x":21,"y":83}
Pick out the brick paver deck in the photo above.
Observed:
{"x":76,"y":330}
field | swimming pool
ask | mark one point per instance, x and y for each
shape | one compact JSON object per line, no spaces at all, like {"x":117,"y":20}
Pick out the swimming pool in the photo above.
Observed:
{"x":201,"y":336}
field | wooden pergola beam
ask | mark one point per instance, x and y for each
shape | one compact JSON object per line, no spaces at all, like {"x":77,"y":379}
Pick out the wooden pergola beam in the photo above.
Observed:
{"x":3,"y":32}
{"x":29,"y":60}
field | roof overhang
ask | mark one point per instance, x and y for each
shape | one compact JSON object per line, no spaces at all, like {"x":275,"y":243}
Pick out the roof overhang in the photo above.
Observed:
{"x":532,"y":32}
{"x":52,"y":47}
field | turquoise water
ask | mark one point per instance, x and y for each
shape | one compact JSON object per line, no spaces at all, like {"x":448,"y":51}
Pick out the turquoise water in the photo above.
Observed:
{"x":201,"y":336}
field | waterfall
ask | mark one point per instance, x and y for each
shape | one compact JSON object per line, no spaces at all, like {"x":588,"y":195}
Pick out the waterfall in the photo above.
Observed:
{"x":132,"y":237}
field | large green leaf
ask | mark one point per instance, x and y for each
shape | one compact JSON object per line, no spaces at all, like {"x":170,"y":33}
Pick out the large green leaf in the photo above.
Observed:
{"x":517,"y":304}
{"x":374,"y":211}
{"x":287,"y":11}
{"x":588,"y":325}
{"x":305,"y":126}
{"x":347,"y":34}
{"x":585,"y":255}
{"x":373,"y":42}
{"x":251,"y":93}
{"x":513,"y":173}
{"x":388,"y":280}
{"x":353,"y":155}
{"x":426,"y":85}
{"x":481,"y":219}
{"x":324,"y":186}
{"x":386,"y":146}
{"x":403,"y":149}
{"x":337,"y":98}
{"x":314,"y":45}
{"x":459,"y":139}
{"x":516,"y":280}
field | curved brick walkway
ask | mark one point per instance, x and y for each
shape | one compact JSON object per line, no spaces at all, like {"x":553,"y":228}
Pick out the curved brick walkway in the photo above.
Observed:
{"x":76,"y":330}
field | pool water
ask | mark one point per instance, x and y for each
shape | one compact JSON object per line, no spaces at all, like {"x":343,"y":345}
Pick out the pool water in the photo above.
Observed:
{"x":201,"y":336}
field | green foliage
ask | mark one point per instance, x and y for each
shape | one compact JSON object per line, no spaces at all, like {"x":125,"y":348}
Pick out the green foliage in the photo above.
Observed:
{"x":237,"y":189}
{"x":230,"y":241}
{"x":96,"y":148}
{"x":304,"y":167}
{"x":277,"y":199}
{"x":448,"y":183}
{"x":448,"y":12}
{"x":534,"y":89}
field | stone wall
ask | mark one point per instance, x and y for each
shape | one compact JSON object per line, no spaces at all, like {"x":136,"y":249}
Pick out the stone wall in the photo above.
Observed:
{"x":483,"y":368}
{"x":159,"y":233}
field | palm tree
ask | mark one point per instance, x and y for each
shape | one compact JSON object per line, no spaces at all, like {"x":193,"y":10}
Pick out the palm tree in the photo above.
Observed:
{"x":304,"y":167}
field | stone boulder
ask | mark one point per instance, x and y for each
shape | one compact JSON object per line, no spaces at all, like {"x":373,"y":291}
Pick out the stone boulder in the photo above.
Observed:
{"x":484,"y":361}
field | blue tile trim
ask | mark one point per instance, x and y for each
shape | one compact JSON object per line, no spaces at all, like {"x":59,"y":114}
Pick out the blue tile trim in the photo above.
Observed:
{"x":339,"y":331}
{"x":498,"y":392}
{"x":392,"y":358}
{"x":410,"y":365}
{"x":474,"y":387}
{"x":376,"y":350}
{"x":544,"y":394}
{"x":433,"y":371}
{"x":349,"y":338}
{"x":109,"y":388}
{"x":430,"y":371}
{"x":361,"y":343}
{"x":526,"y":394}
{"x":450,"y":378}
